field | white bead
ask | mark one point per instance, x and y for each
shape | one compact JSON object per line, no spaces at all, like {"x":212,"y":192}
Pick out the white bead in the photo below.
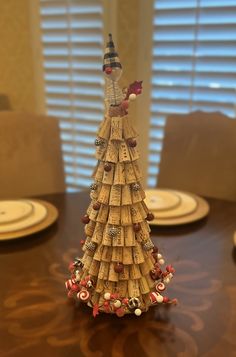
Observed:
{"x":170,"y":275}
{"x":161,"y":261}
{"x":117,"y":303}
{"x":132,"y":96}
{"x":159,"y":256}
{"x":160,"y":298}
{"x":107,"y":296}
{"x":137,"y":312}
{"x":166,"y":280}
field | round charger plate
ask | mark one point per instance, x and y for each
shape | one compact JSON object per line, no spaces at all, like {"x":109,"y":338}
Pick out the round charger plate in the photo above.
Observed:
{"x":14,"y":210}
{"x":188,"y":204}
{"x":37,"y":215}
{"x":201,"y":211}
{"x":161,"y":200}
{"x":50,"y":218}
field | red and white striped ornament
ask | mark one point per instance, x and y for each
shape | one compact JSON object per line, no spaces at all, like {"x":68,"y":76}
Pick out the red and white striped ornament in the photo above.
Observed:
{"x":155,"y":298}
{"x":83,"y":295}
{"x":69,"y":283}
{"x":160,"y":287}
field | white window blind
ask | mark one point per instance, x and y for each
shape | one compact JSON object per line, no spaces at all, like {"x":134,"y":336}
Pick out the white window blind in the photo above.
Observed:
{"x":72,"y":41}
{"x":193,"y":64}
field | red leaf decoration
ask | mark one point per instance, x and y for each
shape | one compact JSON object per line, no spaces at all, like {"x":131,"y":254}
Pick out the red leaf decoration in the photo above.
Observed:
{"x":95,"y":310}
{"x":135,"y":87}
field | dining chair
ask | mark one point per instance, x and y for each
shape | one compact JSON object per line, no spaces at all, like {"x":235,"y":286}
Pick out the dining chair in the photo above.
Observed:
{"x":30,"y":155}
{"x":199,"y":154}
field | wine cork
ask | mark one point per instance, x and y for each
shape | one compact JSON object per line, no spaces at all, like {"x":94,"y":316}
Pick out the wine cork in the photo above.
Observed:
{"x":117,"y":254}
{"x":89,"y":228}
{"x":114,"y":215}
{"x":90,"y":207}
{"x":126,"y":218}
{"x":105,"y":128}
{"x":118,"y":240}
{"x":88,"y":262}
{"x":98,"y":233}
{"x":134,"y":272}
{"x":93,"y":215}
{"x":119,"y":177}
{"x":113,"y":276}
{"x":99,"y":286}
{"x":98,"y":175}
{"x":124,"y":155}
{"x":95,"y":298}
{"x":129,"y":236}
{"x":98,"y":253}
{"x":150,"y":282}
{"x":127,"y":255}
{"x":128,"y":130}
{"x":126,"y":195}
{"x":94,"y":268}
{"x":122,"y":287}
{"x":145,"y":208}
{"x":102,"y":214}
{"x":116,"y":128}
{"x":103,"y":270}
{"x":115,"y":195}
{"x":136,"y":195}
{"x":107,"y":239}
{"x":135,"y":214}
{"x":108,"y":176}
{"x":125,"y":273}
{"x":129,"y":173}
{"x":134,"y":154}
{"x":141,"y":208}
{"x":143,"y":234}
{"x":133,"y":288}
{"x":144,"y":268}
{"x":112,"y":153}
{"x":143,"y":285}
{"x":103,"y":196}
{"x":138,"y":254}
{"x":106,"y":254}
{"x":136,"y":170}
{"x":100,"y":152}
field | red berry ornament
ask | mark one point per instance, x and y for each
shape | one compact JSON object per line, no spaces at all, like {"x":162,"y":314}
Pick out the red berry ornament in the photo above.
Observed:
{"x":107,"y":167}
{"x":120,"y":312}
{"x":96,"y":206}
{"x":85,"y":219}
{"x":155,"y":249}
{"x":136,"y":227}
{"x":108,"y":70}
{"x":132,"y":143}
{"x":150,"y":216}
{"x":119,"y":268}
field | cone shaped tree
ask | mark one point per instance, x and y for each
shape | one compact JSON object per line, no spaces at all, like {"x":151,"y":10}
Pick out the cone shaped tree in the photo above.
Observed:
{"x":120,"y":271}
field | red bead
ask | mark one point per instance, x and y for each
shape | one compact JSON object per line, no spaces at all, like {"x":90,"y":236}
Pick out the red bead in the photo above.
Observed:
{"x":106,"y":303}
{"x":120,"y":312}
{"x":75,"y":287}
{"x":125,"y":301}
{"x":155,"y":249}
{"x":71,"y":267}
{"x":96,"y":206}
{"x":125,"y":104}
{"x":108,"y":70}
{"x":85,"y":219}
{"x":132,"y":143}
{"x":82,"y":241}
{"x":166,"y":299}
{"x":107,"y":167}
{"x":170,"y":269}
{"x":155,"y":273}
{"x":150,"y":216}
{"x":136,"y":227}
{"x":119,"y":268}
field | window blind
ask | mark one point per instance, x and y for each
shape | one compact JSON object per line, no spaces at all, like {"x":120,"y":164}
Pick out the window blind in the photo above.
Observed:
{"x":193,"y":64}
{"x":72,"y":42}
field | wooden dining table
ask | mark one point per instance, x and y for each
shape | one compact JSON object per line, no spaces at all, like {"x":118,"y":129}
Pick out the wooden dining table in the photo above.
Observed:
{"x":39,"y":320}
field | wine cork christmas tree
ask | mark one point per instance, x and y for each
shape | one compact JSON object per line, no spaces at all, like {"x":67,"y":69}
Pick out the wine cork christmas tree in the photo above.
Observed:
{"x":121,"y":269}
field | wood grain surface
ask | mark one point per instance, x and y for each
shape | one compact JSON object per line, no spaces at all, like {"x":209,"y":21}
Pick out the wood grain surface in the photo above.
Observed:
{"x":38,"y":320}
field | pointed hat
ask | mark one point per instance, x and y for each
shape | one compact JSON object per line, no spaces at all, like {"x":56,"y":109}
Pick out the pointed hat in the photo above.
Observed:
{"x":111,"y":58}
